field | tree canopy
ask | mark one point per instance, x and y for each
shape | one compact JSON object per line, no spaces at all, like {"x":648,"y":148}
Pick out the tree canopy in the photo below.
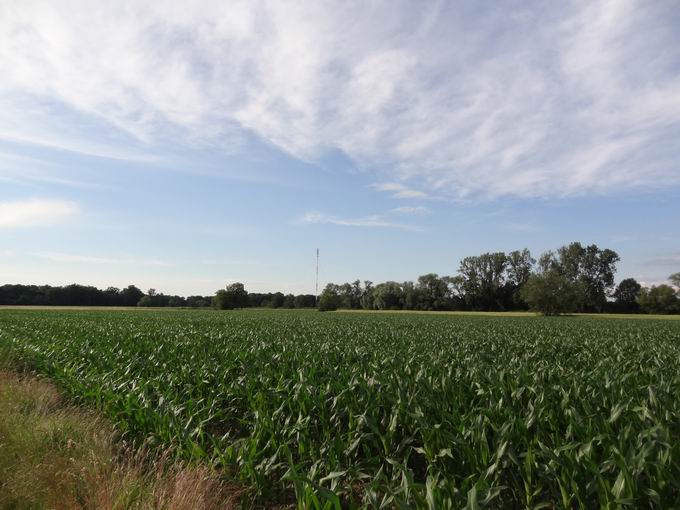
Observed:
{"x":234,"y":296}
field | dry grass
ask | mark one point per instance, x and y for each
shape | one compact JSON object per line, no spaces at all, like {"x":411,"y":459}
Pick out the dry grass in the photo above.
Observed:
{"x":56,"y":456}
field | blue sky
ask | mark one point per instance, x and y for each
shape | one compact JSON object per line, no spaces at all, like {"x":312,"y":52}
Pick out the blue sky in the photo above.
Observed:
{"x":181,"y":149}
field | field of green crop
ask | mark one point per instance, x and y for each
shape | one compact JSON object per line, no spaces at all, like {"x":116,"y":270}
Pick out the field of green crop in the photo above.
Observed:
{"x":385,"y":411}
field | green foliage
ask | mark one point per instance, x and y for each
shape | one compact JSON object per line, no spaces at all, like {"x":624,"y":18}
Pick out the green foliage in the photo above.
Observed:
{"x":550,"y":293}
{"x":659,"y":299}
{"x":330,"y":299}
{"x":385,"y":410}
{"x":131,"y":295}
{"x":675,"y":280}
{"x":388,"y":296}
{"x":235,"y":296}
{"x":590,"y":269}
{"x":626,"y":295}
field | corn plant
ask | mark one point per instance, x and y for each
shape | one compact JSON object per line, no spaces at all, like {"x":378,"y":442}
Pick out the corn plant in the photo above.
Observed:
{"x":349,"y":410}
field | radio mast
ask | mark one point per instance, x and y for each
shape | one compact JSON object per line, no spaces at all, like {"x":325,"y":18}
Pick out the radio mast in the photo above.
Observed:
{"x":316,"y":298}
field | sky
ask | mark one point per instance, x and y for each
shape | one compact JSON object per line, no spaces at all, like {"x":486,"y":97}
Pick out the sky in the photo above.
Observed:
{"x":183,"y":146}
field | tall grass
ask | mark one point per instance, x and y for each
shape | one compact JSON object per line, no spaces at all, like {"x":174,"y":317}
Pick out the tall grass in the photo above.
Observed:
{"x":56,"y":456}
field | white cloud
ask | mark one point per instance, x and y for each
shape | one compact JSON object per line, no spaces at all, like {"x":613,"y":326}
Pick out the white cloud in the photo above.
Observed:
{"x":398,"y":190}
{"x":34,"y":213}
{"x":417,"y":210}
{"x":26,"y":170}
{"x":373,"y":221}
{"x":583,"y":97}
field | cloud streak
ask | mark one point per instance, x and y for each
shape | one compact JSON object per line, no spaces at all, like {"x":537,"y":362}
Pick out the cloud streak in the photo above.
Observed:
{"x":417,"y":210}
{"x":533,"y":102}
{"x":399,"y":190}
{"x":372,"y":221}
{"x":36,"y":213}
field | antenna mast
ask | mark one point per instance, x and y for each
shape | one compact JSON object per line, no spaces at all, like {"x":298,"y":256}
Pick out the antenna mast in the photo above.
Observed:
{"x":316,"y":299}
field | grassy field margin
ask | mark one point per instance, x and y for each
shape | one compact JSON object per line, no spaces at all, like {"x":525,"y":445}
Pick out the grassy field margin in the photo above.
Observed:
{"x":57,"y":456}
{"x":632,"y":316}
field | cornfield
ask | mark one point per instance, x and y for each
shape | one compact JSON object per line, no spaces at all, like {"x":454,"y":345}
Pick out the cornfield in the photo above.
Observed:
{"x":384,"y":411}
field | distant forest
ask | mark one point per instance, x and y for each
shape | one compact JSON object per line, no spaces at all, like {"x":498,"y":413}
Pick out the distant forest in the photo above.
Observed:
{"x":81,"y":295}
{"x":574,"y":278}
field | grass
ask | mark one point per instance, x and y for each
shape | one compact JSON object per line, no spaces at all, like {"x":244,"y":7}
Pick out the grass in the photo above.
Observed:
{"x":632,"y":316}
{"x":56,"y":456}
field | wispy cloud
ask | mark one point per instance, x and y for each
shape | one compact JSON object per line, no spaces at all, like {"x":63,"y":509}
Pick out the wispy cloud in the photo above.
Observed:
{"x":373,"y":221}
{"x":530,"y":102}
{"x":399,"y":190}
{"x":35,"y":213}
{"x":19,"y":169}
{"x":414,"y":210}
{"x":84,"y":259}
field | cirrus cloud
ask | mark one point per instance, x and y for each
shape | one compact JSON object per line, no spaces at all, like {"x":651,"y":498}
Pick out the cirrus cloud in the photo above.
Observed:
{"x":36,"y":213}
{"x":372,"y":221}
{"x":456,"y":100}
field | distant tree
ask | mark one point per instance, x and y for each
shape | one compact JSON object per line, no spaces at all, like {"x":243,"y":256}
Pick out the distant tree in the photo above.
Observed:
{"x":131,"y":295}
{"x":589,"y":268}
{"x":550,"y":293}
{"x":388,"y":296}
{"x":355,"y":294}
{"x":234,"y":296}
{"x":146,"y":301}
{"x":367,"y":297}
{"x":455,"y":291}
{"x":299,"y":301}
{"x":176,"y":301}
{"x":411,"y":297}
{"x":592,"y":270}
{"x":432,"y":292}
{"x":345,"y":291}
{"x":675,"y":280}
{"x":198,"y":301}
{"x":484,"y":279}
{"x":330,"y":299}
{"x":274,"y":300}
{"x":222,"y":301}
{"x":520,"y":264}
{"x":289,"y":301}
{"x":659,"y":299}
{"x":626,"y":295}
{"x":112,"y":296}
{"x":305,"y":301}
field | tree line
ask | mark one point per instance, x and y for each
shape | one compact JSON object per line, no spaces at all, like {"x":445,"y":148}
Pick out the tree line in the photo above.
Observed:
{"x":82,"y":295}
{"x":573,"y":278}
